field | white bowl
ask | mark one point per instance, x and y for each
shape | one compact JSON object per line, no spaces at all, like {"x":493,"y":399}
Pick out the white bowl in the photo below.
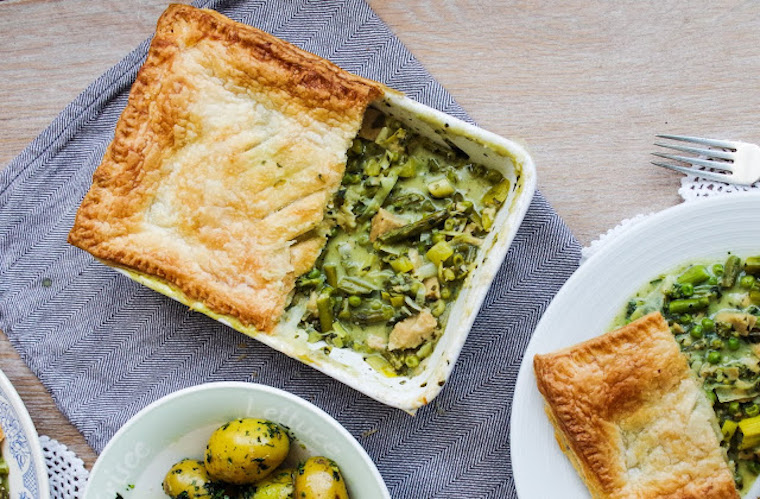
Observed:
{"x":594,"y":295}
{"x":178,"y":426}
{"x":21,"y":448}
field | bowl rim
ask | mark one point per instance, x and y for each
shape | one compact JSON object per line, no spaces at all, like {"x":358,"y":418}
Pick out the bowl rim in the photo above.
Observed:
{"x":237,"y":385}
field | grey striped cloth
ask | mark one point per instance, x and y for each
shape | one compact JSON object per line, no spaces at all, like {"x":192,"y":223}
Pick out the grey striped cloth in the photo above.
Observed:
{"x":105,"y":347}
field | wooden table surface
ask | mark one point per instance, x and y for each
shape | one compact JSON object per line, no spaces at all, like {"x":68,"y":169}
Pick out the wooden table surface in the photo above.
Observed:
{"x":584,"y":84}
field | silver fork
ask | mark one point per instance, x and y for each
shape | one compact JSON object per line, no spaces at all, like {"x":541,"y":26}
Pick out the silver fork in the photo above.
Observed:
{"x":740,"y":160}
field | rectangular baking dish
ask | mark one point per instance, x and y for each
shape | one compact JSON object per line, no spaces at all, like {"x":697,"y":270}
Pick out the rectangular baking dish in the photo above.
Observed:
{"x":349,"y":366}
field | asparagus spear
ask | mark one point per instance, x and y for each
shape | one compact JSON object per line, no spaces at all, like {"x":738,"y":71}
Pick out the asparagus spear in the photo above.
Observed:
{"x":731,"y":271}
{"x":414,"y":228}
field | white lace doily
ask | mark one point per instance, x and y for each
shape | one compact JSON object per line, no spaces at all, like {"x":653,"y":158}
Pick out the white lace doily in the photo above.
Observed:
{"x":66,"y":471}
{"x":692,"y":188}
{"x":695,"y":187}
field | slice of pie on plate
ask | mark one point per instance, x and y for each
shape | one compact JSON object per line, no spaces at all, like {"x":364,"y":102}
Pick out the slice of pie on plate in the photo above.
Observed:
{"x":632,"y":418}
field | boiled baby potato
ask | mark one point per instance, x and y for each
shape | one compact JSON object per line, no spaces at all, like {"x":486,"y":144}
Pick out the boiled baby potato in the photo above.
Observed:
{"x":188,"y":477}
{"x":278,"y":485}
{"x":246,"y":450}
{"x":320,"y":478}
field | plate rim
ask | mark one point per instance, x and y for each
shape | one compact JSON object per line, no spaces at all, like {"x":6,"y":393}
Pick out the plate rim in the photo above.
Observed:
{"x":525,"y":370}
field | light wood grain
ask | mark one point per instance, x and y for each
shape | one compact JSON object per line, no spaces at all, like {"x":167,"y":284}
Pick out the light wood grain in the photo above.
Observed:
{"x":585,"y":85}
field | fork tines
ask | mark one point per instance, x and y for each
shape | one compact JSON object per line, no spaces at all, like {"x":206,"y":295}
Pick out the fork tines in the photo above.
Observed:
{"x":719,"y":154}
{"x":739,"y":161}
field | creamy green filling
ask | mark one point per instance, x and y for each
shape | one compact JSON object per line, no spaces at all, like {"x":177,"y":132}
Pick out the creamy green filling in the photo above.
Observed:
{"x":713,"y":310}
{"x":406,"y":229}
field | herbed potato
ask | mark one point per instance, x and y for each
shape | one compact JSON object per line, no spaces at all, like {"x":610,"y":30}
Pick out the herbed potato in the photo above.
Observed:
{"x":246,"y":450}
{"x":188,"y":477}
{"x":320,"y":478}
{"x":278,"y":485}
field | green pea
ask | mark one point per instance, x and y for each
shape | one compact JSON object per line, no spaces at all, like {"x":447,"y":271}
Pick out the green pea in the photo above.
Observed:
{"x":696,"y":332}
{"x":733,"y":343}
{"x":687,"y":289}
{"x":752,"y":410}
{"x":445,"y":293}
{"x":734,"y":408}
{"x":714,"y":357}
{"x":747,"y":282}
{"x":354,"y":300}
{"x":708,"y":324}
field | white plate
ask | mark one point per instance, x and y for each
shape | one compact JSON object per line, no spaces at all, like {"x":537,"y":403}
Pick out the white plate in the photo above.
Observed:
{"x":178,"y":426}
{"x":21,"y":448}
{"x":594,"y":295}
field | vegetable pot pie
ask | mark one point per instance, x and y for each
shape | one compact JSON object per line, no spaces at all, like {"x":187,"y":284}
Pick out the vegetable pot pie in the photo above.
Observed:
{"x":319,"y":212}
{"x":631,"y":417}
{"x":230,"y":147}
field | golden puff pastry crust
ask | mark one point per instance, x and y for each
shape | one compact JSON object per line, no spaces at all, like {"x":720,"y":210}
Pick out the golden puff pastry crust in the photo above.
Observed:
{"x":222,"y":164}
{"x":631,"y":417}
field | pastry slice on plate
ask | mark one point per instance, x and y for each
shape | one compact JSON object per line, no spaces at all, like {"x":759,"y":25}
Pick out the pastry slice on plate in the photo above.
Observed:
{"x":632,"y":418}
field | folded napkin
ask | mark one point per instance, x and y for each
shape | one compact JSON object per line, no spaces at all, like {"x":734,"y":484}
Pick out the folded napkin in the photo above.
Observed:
{"x":105,"y":347}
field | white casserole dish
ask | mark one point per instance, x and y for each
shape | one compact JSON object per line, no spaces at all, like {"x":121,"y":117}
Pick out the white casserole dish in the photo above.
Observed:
{"x":348,"y":366}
